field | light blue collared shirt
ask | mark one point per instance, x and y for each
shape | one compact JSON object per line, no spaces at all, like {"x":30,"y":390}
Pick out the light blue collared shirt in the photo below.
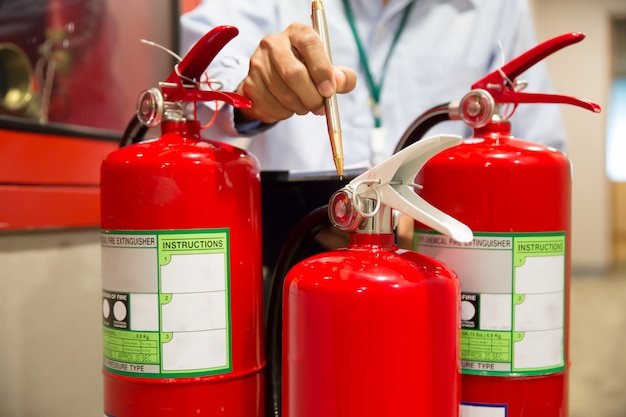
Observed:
{"x":445,"y":47}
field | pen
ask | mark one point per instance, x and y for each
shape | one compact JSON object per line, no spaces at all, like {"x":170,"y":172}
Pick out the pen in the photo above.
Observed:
{"x":318,"y":17}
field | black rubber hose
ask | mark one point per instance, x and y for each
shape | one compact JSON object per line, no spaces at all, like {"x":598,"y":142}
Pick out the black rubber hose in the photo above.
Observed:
{"x":135,"y":131}
{"x":420,"y":126}
{"x":291,"y":253}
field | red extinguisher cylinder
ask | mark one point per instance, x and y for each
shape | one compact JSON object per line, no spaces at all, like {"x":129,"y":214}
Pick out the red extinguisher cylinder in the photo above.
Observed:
{"x":515,"y":196}
{"x":183,"y":215}
{"x":370,"y":330}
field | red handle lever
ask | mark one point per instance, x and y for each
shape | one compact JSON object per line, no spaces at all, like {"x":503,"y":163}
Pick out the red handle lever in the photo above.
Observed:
{"x":193,"y":65}
{"x":517,"y":97}
{"x":518,"y":65}
{"x":500,"y":83}
{"x":203,"y":52}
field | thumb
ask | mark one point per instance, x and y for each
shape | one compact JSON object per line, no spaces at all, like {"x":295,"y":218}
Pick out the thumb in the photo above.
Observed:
{"x":345,"y":78}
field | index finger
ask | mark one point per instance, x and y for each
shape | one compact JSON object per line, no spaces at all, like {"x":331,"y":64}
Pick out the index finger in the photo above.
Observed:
{"x":309,"y":46}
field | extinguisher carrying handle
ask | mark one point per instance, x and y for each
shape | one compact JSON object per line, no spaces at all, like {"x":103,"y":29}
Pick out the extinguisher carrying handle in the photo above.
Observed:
{"x":233,"y":99}
{"x":501,"y":83}
{"x":392,"y":183}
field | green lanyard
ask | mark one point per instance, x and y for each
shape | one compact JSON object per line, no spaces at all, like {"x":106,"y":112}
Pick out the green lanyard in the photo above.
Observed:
{"x":375,"y":88}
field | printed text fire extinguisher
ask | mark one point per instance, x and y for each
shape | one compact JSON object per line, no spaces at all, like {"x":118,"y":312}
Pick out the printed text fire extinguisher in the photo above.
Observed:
{"x":372,"y":330}
{"x":181,"y":261}
{"x":515,"y":195}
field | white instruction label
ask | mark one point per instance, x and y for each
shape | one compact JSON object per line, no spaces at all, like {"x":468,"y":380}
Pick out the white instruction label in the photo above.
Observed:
{"x":165,"y":302}
{"x":483,"y":410}
{"x":512,"y":302}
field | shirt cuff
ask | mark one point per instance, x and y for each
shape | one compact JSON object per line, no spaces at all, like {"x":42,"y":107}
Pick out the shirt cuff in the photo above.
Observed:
{"x":249,"y":128}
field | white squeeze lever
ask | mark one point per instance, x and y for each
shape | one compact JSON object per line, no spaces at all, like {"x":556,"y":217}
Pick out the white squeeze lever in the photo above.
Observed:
{"x":391,"y":183}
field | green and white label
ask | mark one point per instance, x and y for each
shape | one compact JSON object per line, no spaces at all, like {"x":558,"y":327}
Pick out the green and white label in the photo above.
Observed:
{"x":512,"y":302}
{"x":166,"y":303}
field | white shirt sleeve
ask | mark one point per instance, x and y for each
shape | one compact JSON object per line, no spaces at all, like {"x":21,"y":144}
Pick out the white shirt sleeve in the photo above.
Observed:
{"x":445,"y":48}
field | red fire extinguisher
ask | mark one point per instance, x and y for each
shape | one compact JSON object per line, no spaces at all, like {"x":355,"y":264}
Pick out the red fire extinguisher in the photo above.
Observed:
{"x":371,"y":330}
{"x":515,"y":195}
{"x":181,"y":261}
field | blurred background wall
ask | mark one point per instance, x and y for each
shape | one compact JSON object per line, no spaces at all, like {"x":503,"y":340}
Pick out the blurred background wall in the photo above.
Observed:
{"x":587,"y":70}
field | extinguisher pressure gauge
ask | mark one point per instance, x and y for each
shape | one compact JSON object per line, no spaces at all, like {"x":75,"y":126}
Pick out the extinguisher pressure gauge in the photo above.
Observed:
{"x":150,"y":107}
{"x":477,"y":108}
{"x":349,"y":208}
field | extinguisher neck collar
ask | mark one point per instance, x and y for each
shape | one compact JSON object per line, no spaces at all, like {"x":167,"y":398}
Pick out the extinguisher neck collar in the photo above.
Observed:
{"x":384,"y":241}
{"x":379,"y":221}
{"x":499,"y":127}
{"x":185,"y":128}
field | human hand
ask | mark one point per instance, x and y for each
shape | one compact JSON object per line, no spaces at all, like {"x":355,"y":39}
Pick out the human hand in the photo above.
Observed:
{"x":290,"y":73}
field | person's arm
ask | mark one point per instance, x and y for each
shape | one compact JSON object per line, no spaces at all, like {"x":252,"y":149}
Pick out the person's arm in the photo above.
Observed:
{"x":283,"y":73}
{"x":230,"y":66}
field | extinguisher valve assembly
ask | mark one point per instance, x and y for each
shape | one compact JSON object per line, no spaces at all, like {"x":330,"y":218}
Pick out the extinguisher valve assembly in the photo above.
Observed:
{"x":500,"y":89}
{"x":170,"y":101}
{"x":365,"y":204}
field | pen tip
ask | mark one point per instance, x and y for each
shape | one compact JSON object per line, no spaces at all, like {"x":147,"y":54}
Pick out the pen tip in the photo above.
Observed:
{"x":339,"y":167}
